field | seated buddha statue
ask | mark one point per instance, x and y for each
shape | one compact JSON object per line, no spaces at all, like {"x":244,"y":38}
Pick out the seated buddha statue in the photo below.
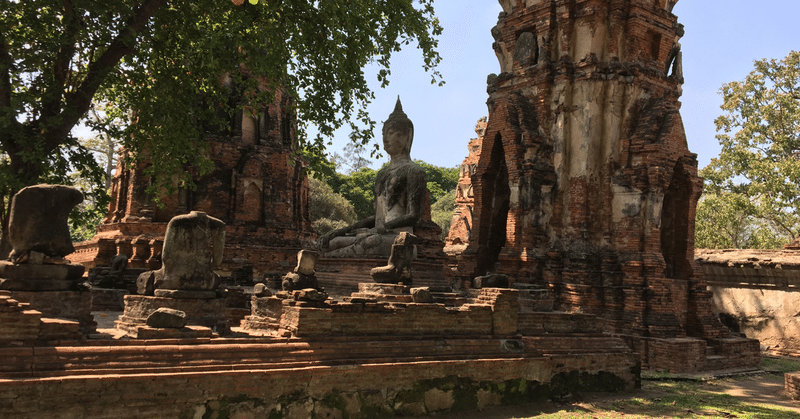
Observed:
{"x":399,"y":195}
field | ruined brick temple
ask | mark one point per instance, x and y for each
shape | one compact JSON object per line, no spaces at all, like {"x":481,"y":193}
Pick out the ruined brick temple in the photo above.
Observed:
{"x":257,"y":187}
{"x":461,"y":224}
{"x":580,"y":191}
{"x":585,"y":184}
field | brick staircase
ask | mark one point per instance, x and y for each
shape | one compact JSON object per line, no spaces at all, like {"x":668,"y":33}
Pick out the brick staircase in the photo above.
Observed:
{"x":193,"y":355}
{"x":17,"y":321}
{"x":19,"y":325}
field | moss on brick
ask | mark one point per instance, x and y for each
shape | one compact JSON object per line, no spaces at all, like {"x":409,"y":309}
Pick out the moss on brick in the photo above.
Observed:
{"x":335,"y":401}
{"x":223,"y":411}
{"x":567,"y":382}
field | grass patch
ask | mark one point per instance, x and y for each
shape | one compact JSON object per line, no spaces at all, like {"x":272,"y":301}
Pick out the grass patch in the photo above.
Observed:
{"x":683,"y":399}
{"x":781,"y":365}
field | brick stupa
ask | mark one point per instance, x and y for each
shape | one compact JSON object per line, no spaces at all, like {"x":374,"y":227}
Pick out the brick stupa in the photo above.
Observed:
{"x":257,"y":188}
{"x":585,"y":184}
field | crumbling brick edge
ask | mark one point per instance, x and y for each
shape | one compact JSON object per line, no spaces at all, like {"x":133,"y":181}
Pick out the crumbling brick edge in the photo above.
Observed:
{"x":346,"y":391}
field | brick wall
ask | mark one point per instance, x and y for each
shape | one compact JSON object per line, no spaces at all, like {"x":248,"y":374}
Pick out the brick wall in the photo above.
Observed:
{"x":493,"y":313}
{"x":792,"y":384}
{"x":355,"y":389}
{"x":461,"y":223}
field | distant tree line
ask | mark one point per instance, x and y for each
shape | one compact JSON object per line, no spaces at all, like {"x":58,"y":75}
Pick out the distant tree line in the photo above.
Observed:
{"x":340,"y":199}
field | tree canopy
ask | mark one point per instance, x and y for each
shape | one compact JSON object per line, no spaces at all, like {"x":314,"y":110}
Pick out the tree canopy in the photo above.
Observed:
{"x":160,"y":64}
{"x":727,"y":221}
{"x":756,"y":178}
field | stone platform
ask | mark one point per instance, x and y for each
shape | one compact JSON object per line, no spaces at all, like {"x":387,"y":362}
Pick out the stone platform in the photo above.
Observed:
{"x":326,"y":377}
{"x":341,"y":276}
{"x":70,"y":305}
{"x":199,"y":312}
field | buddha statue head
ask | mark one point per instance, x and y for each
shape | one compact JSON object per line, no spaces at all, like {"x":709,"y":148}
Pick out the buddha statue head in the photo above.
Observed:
{"x":398,"y":121}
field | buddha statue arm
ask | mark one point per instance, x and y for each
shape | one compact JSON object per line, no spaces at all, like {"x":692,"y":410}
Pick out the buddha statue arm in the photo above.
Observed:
{"x":368,"y":222}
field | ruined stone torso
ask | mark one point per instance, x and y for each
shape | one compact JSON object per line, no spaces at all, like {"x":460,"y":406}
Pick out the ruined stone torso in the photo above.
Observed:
{"x":397,"y":190}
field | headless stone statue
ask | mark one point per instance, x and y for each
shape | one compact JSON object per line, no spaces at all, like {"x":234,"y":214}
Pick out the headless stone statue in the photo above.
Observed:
{"x":38,"y":221}
{"x":303,"y":276}
{"x":192,"y":247}
{"x":399,"y":195}
{"x":39,"y":236}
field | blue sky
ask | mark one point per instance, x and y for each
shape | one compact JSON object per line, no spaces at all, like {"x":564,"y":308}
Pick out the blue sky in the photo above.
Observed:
{"x":723,"y":38}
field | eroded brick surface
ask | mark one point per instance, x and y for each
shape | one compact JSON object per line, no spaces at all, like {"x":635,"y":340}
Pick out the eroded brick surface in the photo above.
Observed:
{"x":585,"y":183}
{"x":461,"y":224}
{"x":257,"y":187}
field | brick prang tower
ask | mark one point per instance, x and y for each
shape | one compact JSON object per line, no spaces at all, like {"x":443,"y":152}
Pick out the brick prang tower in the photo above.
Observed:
{"x":257,"y":187}
{"x":585,"y":183}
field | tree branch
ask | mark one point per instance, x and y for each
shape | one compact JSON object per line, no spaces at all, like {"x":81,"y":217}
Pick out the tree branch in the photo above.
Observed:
{"x":79,"y":101}
{"x":6,"y":62}
{"x":51,"y":107}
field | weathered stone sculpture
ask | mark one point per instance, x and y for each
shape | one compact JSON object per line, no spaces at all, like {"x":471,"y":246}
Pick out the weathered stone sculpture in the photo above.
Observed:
{"x":38,"y":221}
{"x":113,"y":277}
{"x":399,"y":196}
{"x":303,"y":276}
{"x":192,"y":247}
{"x":39,"y":236}
{"x":38,"y":273}
{"x":398,"y":270}
{"x":186,"y":282}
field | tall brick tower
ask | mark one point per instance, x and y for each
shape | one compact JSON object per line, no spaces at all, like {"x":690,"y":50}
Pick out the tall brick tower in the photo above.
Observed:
{"x":257,"y":187}
{"x":585,"y":183}
{"x":461,"y":223}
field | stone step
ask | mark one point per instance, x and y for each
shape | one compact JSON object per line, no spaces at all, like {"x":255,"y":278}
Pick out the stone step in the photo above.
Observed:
{"x":18,"y":323}
{"x":59,"y":329}
{"x":86,"y":360}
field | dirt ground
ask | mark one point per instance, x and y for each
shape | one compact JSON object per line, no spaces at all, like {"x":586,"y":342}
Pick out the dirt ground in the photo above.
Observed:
{"x":765,"y":388}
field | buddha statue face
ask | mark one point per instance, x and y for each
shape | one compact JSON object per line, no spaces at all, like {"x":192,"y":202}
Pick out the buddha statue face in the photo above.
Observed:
{"x":398,"y":132}
{"x":396,"y":142}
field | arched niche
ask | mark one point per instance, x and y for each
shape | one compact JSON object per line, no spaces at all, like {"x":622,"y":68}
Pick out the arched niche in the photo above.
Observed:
{"x":495,"y":205}
{"x":252,"y":208}
{"x":675,"y":225}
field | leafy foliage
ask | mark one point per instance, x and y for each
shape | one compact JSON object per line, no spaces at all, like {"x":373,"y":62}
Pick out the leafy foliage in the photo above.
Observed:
{"x":728,"y":221}
{"x":328,"y":209}
{"x":176,"y":67}
{"x":358,"y":188}
{"x":757,"y":174}
{"x":441,"y":180}
{"x":442,"y":212}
